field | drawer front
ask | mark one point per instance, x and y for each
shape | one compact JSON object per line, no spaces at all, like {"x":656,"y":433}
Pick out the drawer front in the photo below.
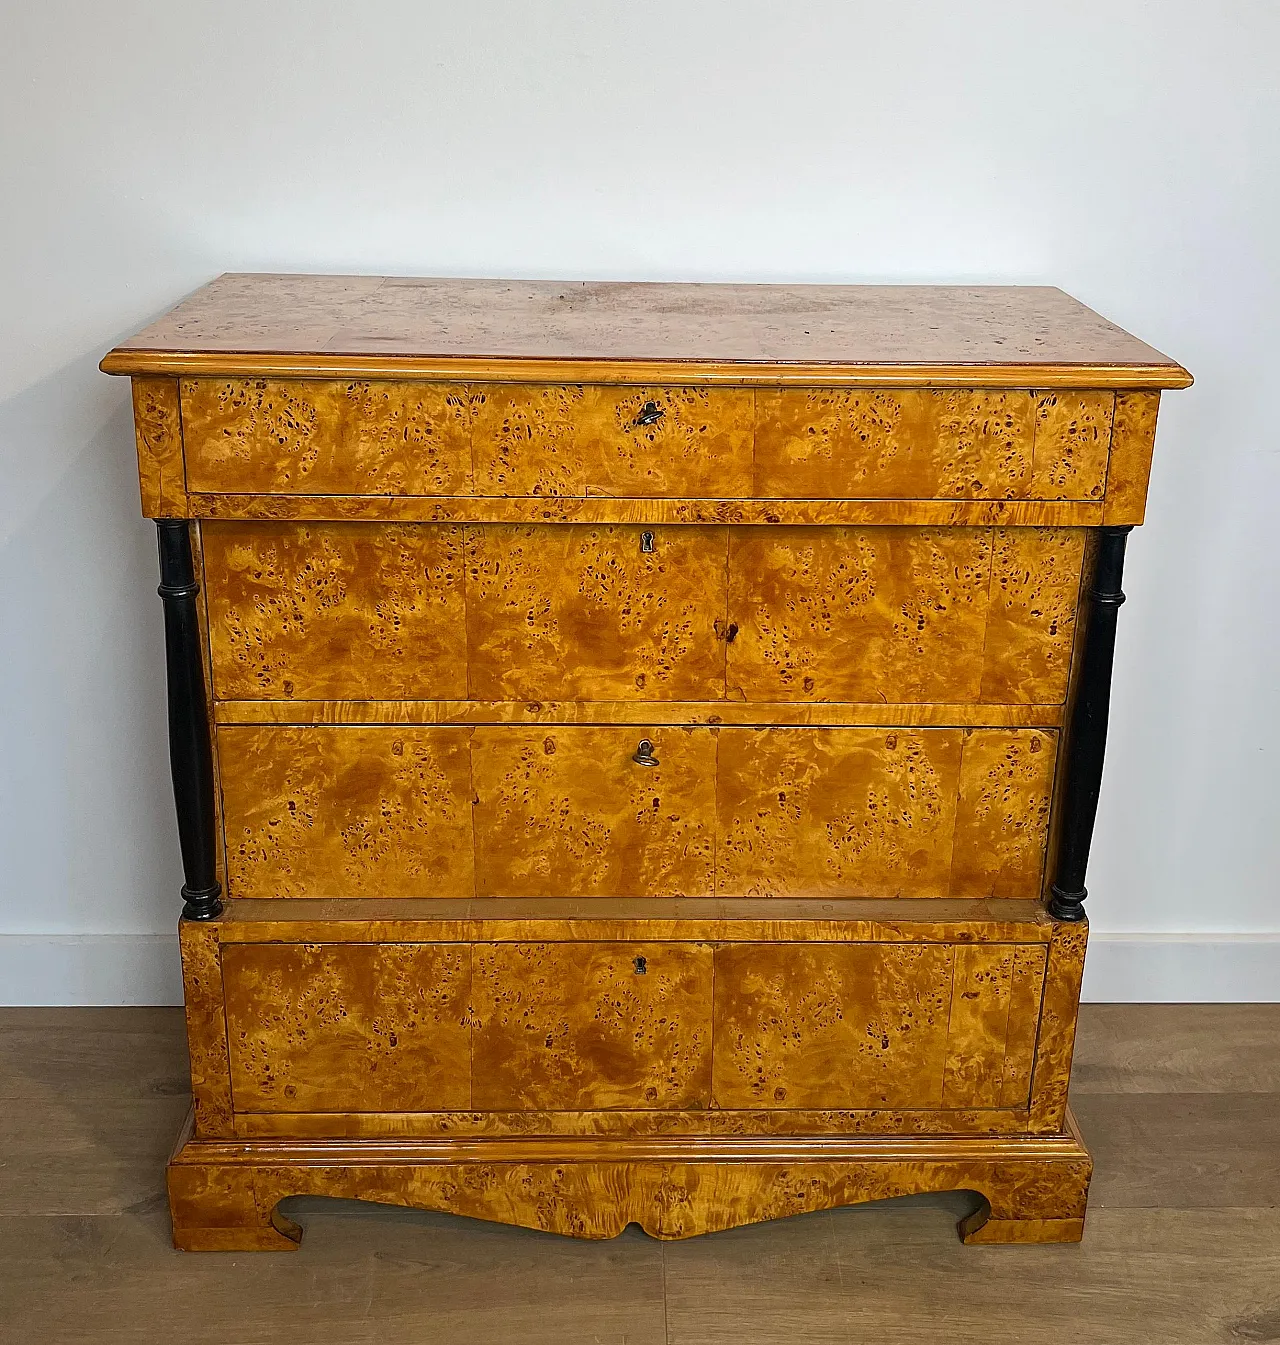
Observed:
{"x":818,"y":443}
{"x":569,"y":810}
{"x":875,"y":1025}
{"x":353,"y":437}
{"x":556,"y":1028}
{"x":596,"y":613}
{"x":409,"y":811}
{"x":347,"y":811}
{"x":587,"y":1026}
{"x":348,"y":1027}
{"x":858,"y":812}
{"x":370,"y":611}
{"x":903,"y":614}
{"x":262,"y":436}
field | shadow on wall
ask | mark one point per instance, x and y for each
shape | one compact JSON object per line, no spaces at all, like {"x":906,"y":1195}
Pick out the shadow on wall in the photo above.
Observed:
{"x":85,"y":825}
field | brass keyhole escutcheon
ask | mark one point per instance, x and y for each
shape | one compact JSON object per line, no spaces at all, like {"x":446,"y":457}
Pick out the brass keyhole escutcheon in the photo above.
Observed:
{"x":643,"y":755}
{"x":646,"y":542}
{"x":641,"y":966}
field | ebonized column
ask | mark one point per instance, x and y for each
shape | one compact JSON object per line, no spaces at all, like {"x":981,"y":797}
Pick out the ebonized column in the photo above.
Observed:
{"x":190,"y":752}
{"x":1088,"y":740}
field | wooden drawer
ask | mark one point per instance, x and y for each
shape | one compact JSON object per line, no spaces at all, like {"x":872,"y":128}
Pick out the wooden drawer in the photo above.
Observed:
{"x":366,"y":611}
{"x":406,"y":811}
{"x":263,"y":436}
{"x":838,"y":443}
{"x":900,"y":1025}
{"x":636,"y":1025}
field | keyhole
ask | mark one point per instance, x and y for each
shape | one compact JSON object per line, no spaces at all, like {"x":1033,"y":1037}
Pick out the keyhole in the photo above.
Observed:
{"x":641,"y":966}
{"x":646,"y":542}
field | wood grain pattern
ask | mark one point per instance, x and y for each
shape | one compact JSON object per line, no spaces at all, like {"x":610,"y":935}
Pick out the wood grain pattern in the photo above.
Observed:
{"x":1059,"y":1009}
{"x":588,"y":440}
{"x":570,"y":1027}
{"x":831,"y":1025}
{"x":347,"y":812}
{"x":568,"y":919}
{"x":157,"y":429}
{"x":1073,"y":437}
{"x":643,"y":713}
{"x":1133,"y":442}
{"x":622,"y":1122}
{"x":868,"y":812}
{"x":995,"y":999}
{"x":568,"y":810}
{"x":884,"y":443}
{"x":224,"y":1197}
{"x":599,"y":509}
{"x":207,"y":1049}
{"x":585,"y":613}
{"x":263,"y":436}
{"x":1002,"y":813}
{"x":343,"y":611}
{"x":518,"y":330}
{"x":903,"y":614}
{"x":364,"y":1025}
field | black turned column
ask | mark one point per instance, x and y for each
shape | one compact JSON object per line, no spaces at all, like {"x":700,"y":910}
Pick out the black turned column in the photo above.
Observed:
{"x":190,"y":752}
{"x":1088,"y":743}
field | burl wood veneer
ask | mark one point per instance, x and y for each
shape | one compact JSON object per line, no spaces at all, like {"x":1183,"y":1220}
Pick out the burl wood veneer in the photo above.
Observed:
{"x":636,"y":747}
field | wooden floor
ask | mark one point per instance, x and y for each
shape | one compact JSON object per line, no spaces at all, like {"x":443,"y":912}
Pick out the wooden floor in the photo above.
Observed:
{"x":1178,"y":1103}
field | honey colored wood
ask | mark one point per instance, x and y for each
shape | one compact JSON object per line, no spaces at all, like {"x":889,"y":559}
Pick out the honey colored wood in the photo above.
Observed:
{"x":995,"y":991}
{"x":1133,"y":441}
{"x":338,"y":611}
{"x":207,"y":1049}
{"x":562,"y":331}
{"x":586,"y":613}
{"x":157,"y":425}
{"x":619,"y":919}
{"x":359,"y":1026}
{"x":224,"y":1197}
{"x":913,"y":614}
{"x":416,"y":811}
{"x":567,"y":809}
{"x":343,"y":812}
{"x":567,"y":1027}
{"x":1055,"y":1045}
{"x":262,"y":436}
{"x":463,"y":545}
{"x":642,"y":713}
{"x":870,"y":812}
{"x":587,"y":440}
{"x":560,"y":509}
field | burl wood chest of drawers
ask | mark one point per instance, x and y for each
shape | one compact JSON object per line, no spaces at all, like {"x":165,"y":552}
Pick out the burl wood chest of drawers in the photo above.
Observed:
{"x":635,"y":746}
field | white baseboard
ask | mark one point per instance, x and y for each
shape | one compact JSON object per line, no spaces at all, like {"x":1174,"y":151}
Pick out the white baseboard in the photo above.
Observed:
{"x":50,"y":969}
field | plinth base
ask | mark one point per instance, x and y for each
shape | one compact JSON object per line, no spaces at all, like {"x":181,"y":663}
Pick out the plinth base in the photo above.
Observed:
{"x":224,"y":1194}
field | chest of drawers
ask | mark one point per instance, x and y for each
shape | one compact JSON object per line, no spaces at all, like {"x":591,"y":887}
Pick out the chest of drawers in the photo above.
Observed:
{"x":635,"y":746}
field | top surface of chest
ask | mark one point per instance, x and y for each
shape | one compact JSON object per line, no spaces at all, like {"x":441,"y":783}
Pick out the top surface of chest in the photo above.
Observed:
{"x":351,"y":326}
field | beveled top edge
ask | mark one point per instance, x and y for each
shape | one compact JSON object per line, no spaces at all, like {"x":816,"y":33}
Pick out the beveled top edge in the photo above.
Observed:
{"x":544,"y":331}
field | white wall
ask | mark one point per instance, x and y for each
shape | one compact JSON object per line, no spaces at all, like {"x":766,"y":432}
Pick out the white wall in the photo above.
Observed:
{"x":1126,"y":151}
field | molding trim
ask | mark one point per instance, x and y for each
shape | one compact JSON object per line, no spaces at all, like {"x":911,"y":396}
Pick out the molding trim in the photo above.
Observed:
{"x":101,"y":969}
